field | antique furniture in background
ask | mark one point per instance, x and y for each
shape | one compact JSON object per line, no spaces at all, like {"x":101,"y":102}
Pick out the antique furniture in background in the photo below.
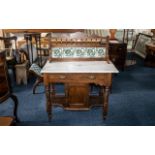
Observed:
{"x":141,"y":40}
{"x":112,"y":34}
{"x":38,"y":61}
{"x":8,"y":41}
{"x":117,"y":53}
{"x":22,"y":67}
{"x":150,"y":55}
{"x":33,"y":42}
{"x":78,"y":62}
{"x":22,"y":72}
{"x":11,"y":52}
{"x":29,"y":37}
{"x":5,"y":88}
{"x":17,"y":59}
{"x":128,"y":35}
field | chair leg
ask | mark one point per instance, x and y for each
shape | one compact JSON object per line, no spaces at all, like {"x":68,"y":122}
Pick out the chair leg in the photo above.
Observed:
{"x":38,"y":81}
{"x":14,"y":98}
{"x":133,"y":59}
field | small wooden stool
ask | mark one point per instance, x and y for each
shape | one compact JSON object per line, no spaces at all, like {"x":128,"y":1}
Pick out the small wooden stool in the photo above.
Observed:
{"x":6,"y":121}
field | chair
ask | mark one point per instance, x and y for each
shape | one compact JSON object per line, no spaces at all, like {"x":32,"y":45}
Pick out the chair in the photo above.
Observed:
{"x":130,"y":39}
{"x":42,"y":54}
{"x":36,"y":70}
{"x":28,"y":38}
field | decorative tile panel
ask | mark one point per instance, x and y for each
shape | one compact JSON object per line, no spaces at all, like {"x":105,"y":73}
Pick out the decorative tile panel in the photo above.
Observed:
{"x":79,"y":52}
{"x":101,"y":52}
{"x":57,"y":52}
{"x":68,"y":53}
{"x":91,"y":52}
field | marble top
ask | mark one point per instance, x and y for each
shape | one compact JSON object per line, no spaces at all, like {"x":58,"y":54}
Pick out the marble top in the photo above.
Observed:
{"x":79,"y":67}
{"x":114,"y":41}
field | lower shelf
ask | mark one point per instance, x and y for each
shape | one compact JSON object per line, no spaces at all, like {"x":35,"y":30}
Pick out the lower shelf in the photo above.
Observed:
{"x":93,"y":101}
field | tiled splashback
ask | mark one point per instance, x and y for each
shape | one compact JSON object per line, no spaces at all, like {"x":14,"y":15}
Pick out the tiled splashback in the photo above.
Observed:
{"x":78,"y":52}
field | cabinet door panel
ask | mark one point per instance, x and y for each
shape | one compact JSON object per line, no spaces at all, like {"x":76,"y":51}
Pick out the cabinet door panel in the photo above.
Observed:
{"x":78,"y":94}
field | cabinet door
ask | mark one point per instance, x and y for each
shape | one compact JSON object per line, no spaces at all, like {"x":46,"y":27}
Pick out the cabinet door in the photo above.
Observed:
{"x":78,"y":95}
{"x":117,"y":54}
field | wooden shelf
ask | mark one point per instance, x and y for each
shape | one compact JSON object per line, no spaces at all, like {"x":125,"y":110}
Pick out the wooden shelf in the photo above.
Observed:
{"x":42,"y":30}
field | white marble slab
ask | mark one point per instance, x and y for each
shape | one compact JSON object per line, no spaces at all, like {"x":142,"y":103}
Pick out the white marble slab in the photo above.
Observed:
{"x":79,"y":67}
{"x":114,"y":41}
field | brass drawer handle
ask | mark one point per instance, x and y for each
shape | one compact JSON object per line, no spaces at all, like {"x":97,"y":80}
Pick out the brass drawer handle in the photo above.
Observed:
{"x":62,"y":76}
{"x":92,"y":77}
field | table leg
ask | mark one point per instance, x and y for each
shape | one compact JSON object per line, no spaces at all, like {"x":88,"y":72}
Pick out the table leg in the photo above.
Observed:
{"x":48,"y":102}
{"x":14,"y":98}
{"x":105,"y":101}
{"x":101,"y":91}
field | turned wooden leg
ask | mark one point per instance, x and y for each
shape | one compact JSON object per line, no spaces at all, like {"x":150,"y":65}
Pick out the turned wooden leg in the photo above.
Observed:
{"x":101,"y":91}
{"x":14,"y":98}
{"x":48,"y":102}
{"x":38,"y":81}
{"x":105,"y":101}
{"x":14,"y":72}
{"x":66,"y":95}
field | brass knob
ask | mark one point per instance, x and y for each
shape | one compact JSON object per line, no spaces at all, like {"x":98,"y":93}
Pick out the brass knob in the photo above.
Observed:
{"x":92,"y":77}
{"x":62,"y":76}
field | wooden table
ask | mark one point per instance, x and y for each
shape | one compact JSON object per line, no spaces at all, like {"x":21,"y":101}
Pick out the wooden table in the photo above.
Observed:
{"x":77,"y":76}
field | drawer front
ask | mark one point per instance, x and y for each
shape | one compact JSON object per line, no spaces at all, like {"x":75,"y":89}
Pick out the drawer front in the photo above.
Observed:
{"x":80,"y":78}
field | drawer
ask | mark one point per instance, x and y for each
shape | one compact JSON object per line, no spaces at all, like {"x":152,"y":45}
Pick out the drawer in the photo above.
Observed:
{"x":79,"y":78}
{"x":58,"y":77}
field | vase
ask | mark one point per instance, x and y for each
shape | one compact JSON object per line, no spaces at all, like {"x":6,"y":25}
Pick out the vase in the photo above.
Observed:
{"x":112,"y":33}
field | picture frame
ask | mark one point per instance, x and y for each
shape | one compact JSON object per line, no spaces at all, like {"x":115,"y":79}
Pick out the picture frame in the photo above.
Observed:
{"x":140,"y":44}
